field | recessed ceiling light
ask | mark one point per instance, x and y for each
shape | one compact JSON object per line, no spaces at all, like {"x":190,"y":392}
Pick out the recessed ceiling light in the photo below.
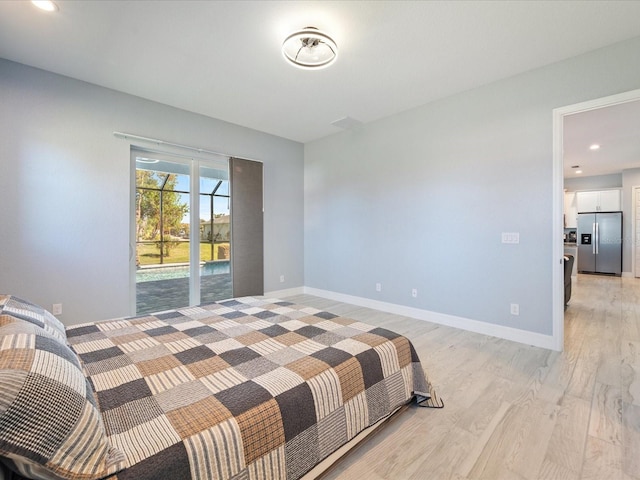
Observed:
{"x":46,"y":5}
{"x":578,"y":171}
{"x":310,"y":49}
{"x":595,"y":146}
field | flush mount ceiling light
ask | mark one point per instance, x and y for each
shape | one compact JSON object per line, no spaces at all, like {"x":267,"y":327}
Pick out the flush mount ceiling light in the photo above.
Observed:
{"x":310,"y":49}
{"x":595,"y":146}
{"x":46,"y":5}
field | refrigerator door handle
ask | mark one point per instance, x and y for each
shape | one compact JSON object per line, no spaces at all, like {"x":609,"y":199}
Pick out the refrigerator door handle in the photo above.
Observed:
{"x":593,"y":238}
{"x":597,"y":238}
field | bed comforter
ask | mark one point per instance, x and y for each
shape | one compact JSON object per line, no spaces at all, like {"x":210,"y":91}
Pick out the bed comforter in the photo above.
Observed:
{"x":244,"y":389}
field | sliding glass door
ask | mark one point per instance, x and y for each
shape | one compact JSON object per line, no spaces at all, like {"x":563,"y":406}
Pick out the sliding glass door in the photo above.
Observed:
{"x":182,"y":231}
{"x":215,"y":236}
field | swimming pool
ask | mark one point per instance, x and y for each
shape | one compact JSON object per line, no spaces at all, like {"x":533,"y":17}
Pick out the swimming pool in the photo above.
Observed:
{"x":181,"y":271}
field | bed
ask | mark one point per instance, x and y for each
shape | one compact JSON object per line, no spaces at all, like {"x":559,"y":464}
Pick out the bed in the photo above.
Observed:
{"x":245,"y":389}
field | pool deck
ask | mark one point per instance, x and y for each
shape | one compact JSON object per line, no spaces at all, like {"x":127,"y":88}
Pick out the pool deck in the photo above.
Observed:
{"x":173,"y":293}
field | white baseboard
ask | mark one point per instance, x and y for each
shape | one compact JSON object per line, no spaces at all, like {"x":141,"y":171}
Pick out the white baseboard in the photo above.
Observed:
{"x":628,"y":274}
{"x":288,"y":292}
{"x":499,"y":331}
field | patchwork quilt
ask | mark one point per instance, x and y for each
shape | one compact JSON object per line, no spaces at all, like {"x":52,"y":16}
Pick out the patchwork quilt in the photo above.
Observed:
{"x":244,"y":389}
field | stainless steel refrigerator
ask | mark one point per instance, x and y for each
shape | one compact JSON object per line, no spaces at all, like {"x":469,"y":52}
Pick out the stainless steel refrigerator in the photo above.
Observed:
{"x":600,"y":243}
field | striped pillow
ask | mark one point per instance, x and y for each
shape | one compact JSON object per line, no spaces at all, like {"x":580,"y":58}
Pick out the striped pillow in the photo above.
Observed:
{"x":29,"y":312}
{"x":50,"y":426}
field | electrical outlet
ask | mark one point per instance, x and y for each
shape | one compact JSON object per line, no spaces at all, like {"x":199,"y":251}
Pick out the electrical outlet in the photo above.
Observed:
{"x":57,"y":309}
{"x":281,"y":278}
{"x":414,"y":293}
{"x":378,"y":287}
{"x":515,"y":309}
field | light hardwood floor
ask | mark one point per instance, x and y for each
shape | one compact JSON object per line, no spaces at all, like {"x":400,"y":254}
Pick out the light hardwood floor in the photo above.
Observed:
{"x":514,"y":411}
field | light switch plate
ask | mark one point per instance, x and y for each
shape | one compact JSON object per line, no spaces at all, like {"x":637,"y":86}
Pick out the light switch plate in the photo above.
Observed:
{"x":510,"y":237}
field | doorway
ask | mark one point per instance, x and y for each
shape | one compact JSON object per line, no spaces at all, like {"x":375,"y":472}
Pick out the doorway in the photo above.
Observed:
{"x":559,"y":115}
{"x":182,"y":231}
{"x":635,"y":229}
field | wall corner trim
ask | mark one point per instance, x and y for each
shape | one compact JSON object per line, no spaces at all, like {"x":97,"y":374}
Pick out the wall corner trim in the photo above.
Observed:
{"x":499,"y":331}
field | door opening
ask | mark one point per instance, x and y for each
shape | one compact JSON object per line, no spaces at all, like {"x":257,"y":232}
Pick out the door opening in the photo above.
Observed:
{"x":558,"y":201}
{"x":182,"y":226}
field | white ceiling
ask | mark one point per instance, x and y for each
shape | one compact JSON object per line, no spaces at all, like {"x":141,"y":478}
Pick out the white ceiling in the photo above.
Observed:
{"x":222,"y":58}
{"x":615,"y":128}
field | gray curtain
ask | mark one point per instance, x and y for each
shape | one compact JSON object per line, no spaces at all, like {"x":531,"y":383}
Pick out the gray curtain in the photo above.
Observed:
{"x":247,"y":254}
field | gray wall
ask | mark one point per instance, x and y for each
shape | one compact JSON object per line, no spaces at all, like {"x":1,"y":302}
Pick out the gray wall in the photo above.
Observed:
{"x":419,"y":200}
{"x":65,"y":189}
{"x":593,"y":182}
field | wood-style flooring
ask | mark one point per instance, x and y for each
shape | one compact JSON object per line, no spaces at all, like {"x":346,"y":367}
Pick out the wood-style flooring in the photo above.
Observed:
{"x":514,"y":411}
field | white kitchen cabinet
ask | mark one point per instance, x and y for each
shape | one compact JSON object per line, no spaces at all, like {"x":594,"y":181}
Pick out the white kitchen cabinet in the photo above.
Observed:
{"x":610,"y":201}
{"x":570,"y":210}
{"x":599,"y":201}
{"x":587,"y":201}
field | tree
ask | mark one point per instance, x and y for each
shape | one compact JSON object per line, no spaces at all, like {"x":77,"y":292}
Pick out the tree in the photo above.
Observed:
{"x":159,"y":210}
{"x":147,"y":206}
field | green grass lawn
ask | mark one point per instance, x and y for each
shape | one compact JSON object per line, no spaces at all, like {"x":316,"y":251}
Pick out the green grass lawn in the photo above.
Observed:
{"x":149,"y":254}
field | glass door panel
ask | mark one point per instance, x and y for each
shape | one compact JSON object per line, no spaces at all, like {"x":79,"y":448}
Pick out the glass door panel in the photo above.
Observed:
{"x":215,"y":235}
{"x":162,"y":234}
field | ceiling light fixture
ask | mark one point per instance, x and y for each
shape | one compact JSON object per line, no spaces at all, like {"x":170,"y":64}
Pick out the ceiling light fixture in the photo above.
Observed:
{"x":46,"y":5}
{"x":310,"y":49}
{"x":595,"y":146}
